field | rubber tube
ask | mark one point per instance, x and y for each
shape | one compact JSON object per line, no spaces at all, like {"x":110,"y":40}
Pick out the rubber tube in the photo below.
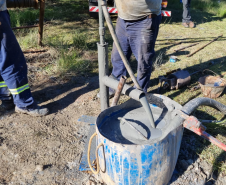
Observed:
{"x":188,"y":108}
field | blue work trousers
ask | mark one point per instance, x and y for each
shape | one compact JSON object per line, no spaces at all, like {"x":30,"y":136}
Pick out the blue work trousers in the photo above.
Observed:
{"x":137,"y":37}
{"x":186,"y":11}
{"x":13,"y":68}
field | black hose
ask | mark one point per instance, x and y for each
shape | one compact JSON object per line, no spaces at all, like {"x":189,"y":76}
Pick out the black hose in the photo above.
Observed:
{"x":189,"y":107}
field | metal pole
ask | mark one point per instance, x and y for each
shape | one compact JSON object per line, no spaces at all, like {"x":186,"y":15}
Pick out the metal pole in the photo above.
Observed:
{"x":41,"y":20}
{"x":102,"y":61}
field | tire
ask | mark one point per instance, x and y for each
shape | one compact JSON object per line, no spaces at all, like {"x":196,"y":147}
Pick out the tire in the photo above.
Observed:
{"x":93,"y":15}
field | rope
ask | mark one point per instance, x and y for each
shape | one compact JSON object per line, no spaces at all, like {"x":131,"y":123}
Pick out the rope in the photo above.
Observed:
{"x":97,"y":159}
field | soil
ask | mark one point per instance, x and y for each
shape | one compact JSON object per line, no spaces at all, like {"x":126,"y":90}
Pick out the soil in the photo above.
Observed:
{"x":47,"y":150}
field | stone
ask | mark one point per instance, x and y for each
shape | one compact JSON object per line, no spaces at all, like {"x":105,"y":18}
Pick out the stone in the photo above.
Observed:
{"x":39,"y":168}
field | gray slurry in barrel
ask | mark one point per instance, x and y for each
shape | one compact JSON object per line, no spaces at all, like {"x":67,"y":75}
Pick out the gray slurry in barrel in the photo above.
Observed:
{"x":121,"y":132}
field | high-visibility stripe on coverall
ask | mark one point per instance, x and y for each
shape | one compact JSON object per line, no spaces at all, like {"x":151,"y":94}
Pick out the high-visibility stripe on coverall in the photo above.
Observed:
{"x":13,"y":68}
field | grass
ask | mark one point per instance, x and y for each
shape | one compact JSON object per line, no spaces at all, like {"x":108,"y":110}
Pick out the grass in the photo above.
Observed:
{"x":215,"y":7}
{"x":72,"y":36}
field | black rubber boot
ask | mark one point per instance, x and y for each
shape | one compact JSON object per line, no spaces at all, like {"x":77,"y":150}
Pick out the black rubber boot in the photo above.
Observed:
{"x":6,"y":105}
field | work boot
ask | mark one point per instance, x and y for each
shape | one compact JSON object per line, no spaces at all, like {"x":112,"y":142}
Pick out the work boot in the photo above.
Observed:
{"x":6,"y":105}
{"x":189,"y":24}
{"x":33,"y":110}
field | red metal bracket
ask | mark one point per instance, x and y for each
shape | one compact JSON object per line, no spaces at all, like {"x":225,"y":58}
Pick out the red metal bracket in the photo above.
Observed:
{"x":192,"y":123}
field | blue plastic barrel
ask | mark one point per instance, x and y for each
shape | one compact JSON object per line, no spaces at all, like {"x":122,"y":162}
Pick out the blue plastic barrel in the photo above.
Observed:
{"x":132,"y":164}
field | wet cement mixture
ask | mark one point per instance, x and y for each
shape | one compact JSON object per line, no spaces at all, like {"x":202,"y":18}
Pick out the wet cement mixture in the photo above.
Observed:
{"x":47,"y":150}
{"x":134,"y":128}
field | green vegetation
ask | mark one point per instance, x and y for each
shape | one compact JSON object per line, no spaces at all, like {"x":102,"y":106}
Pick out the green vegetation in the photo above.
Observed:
{"x":215,"y":7}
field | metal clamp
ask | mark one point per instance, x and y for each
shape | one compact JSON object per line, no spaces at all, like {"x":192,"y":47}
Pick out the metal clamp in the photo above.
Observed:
{"x":193,"y":124}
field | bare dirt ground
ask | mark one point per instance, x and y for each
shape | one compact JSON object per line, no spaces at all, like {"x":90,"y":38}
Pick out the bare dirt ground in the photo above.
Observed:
{"x":47,"y":150}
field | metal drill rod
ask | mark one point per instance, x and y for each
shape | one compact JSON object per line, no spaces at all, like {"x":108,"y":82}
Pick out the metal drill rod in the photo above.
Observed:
{"x":102,"y":61}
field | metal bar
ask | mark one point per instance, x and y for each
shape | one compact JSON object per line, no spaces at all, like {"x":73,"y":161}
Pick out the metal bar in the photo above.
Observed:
{"x":176,"y":50}
{"x":102,"y":61}
{"x":212,"y":121}
{"x":22,"y":27}
{"x":204,"y":46}
{"x":103,"y":70}
{"x":127,"y":89}
{"x":210,"y":138}
{"x":101,"y":23}
{"x":41,"y":21}
{"x":118,"y":91}
{"x":35,"y":51}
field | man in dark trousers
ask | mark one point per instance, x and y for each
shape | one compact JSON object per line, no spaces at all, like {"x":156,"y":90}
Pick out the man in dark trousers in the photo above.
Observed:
{"x":186,"y":21}
{"x":14,"y":88}
{"x":137,"y":29}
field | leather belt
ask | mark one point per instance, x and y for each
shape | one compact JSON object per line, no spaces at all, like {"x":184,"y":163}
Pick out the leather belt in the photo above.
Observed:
{"x":149,"y":16}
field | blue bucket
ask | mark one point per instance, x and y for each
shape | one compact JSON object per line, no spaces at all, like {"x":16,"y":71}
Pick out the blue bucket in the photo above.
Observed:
{"x":132,"y":164}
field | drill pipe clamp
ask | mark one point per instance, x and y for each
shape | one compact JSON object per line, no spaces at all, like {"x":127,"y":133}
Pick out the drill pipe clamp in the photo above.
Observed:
{"x":193,"y":124}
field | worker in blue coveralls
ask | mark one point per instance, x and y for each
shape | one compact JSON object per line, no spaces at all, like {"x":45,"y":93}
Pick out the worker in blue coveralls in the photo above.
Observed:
{"x":137,"y":28}
{"x":14,"y":88}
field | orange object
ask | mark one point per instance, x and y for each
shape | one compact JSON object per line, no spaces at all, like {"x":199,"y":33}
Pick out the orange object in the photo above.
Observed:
{"x":164,"y":3}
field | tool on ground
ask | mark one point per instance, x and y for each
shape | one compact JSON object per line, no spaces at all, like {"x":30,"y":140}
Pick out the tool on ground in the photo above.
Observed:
{"x":211,"y":86}
{"x":118,"y":91}
{"x":174,"y":79}
{"x":173,"y":59}
{"x":186,"y":47}
{"x":203,"y":46}
{"x":213,"y":121}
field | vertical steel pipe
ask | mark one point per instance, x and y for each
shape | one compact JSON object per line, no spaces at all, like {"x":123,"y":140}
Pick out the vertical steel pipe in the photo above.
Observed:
{"x":118,"y":91}
{"x":102,"y":61}
{"x":41,"y":21}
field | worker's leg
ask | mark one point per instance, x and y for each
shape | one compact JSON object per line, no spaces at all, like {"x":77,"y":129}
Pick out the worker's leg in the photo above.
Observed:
{"x":5,"y":94}
{"x":6,"y":99}
{"x":186,"y":11}
{"x":13,"y":66}
{"x":118,"y":65}
{"x":143,"y":36}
